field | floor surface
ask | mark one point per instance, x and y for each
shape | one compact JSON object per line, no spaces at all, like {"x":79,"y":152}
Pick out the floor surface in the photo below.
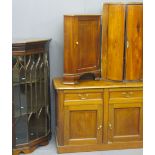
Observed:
{"x":50,"y":149}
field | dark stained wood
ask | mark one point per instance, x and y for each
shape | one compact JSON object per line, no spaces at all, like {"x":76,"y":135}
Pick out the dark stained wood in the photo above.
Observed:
{"x":134,"y":51}
{"x":81,"y":47}
{"x":26,"y":47}
{"x":28,"y":148}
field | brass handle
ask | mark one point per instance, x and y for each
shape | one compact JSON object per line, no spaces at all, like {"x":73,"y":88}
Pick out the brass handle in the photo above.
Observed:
{"x":99,"y":127}
{"x":130,"y":93}
{"x":83,"y":97}
{"x":124,"y":93}
{"x":110,"y":126}
{"x":77,"y":43}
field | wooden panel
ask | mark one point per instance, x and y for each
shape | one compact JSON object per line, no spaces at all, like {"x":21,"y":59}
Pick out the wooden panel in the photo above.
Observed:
{"x":80,"y":129}
{"x":83,"y":96}
{"x":104,"y":61}
{"x":125,"y":122}
{"x":116,"y":28}
{"x":83,"y":124}
{"x":134,"y":66}
{"x":88,"y":43}
{"x":69,"y":47}
{"x":126,"y":94}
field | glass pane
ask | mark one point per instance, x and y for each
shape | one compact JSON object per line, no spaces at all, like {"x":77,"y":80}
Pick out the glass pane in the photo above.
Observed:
{"x":21,"y":129}
{"x":32,"y":124}
{"x":42,"y":122}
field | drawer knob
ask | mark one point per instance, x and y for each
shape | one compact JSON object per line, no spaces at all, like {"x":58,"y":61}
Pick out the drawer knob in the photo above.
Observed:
{"x":77,"y":43}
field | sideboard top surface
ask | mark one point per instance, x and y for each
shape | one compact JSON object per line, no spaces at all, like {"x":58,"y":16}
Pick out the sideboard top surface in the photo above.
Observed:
{"x":58,"y":84}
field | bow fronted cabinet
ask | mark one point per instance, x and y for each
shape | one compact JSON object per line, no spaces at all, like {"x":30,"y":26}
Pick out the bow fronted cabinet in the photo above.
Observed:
{"x":122,"y":42}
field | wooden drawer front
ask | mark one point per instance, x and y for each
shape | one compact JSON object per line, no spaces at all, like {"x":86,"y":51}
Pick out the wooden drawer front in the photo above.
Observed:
{"x":125,"y":95}
{"x":83,"y":96}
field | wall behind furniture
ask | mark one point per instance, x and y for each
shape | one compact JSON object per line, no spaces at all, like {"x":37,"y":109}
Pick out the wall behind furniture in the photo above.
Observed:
{"x":44,"y":19}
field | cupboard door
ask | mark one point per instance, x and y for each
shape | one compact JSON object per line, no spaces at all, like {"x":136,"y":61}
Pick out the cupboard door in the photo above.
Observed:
{"x":83,"y":124}
{"x":116,"y":28}
{"x":88,"y":43}
{"x":134,"y":45}
{"x":125,"y":122}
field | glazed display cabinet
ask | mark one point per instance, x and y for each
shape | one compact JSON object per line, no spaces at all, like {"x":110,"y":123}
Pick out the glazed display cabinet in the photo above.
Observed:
{"x":31,"y":103}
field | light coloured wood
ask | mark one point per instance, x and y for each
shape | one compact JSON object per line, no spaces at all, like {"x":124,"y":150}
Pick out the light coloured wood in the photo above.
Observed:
{"x":83,"y":124}
{"x":99,"y":147}
{"x":86,"y":118}
{"x":125,"y":122}
{"x":88,"y":85}
{"x":134,"y":51}
{"x":122,"y":41}
{"x":116,"y":28}
{"x":104,"y":59}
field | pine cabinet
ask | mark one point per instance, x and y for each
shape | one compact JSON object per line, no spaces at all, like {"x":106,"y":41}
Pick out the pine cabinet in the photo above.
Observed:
{"x":83,"y":118}
{"x":125,"y":115}
{"x":81,"y":47}
{"x":98,"y":115}
{"x":122,"y":42}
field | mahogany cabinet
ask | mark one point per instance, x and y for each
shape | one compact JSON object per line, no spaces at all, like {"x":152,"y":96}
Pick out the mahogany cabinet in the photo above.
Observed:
{"x":81,"y":47}
{"x":31,"y":102}
{"x":122,"y":42}
{"x":98,"y":115}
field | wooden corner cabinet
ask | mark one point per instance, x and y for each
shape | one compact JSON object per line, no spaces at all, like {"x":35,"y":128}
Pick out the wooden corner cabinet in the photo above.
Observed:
{"x":98,"y":115}
{"x":81,"y":47}
{"x":31,"y":102}
{"x":122,"y":42}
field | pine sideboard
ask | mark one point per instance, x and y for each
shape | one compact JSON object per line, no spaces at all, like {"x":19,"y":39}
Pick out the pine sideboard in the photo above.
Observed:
{"x":98,"y":115}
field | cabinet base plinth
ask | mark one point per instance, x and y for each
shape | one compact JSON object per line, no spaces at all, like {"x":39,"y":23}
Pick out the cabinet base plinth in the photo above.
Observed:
{"x":29,"y":148}
{"x":75,"y":78}
{"x":99,"y":147}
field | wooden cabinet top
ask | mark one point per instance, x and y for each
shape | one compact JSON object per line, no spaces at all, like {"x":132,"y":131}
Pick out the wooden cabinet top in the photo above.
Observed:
{"x":58,"y":84}
{"x":23,"y":46}
{"x":123,"y":3}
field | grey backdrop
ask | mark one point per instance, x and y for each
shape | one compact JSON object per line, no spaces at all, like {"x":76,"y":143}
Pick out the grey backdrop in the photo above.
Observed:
{"x":44,"y":19}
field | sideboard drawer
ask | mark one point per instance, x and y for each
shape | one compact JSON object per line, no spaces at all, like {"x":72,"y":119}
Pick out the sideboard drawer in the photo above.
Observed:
{"x":125,"y":94}
{"x":83,"y":96}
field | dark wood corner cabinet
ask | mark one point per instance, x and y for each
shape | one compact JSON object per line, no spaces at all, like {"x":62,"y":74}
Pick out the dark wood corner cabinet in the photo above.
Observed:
{"x":98,"y":115}
{"x":31,"y":103}
{"x":81,"y":47}
{"x":122,"y":42}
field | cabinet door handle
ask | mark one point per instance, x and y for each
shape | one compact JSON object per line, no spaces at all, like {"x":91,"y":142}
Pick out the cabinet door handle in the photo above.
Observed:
{"x":77,"y":43}
{"x":99,"y":127}
{"x":127,"y":44}
{"x":110,"y":126}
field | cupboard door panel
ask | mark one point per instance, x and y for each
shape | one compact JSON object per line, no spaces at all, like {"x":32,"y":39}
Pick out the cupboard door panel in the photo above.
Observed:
{"x":125,"y":122}
{"x":88,"y":43}
{"x":134,"y":47}
{"x":116,"y":28}
{"x":83,"y":124}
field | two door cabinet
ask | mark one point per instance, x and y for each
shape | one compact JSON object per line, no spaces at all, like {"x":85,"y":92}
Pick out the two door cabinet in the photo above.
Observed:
{"x":122,"y":42}
{"x":81,"y":47}
{"x":31,"y":104}
{"x":98,"y":115}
